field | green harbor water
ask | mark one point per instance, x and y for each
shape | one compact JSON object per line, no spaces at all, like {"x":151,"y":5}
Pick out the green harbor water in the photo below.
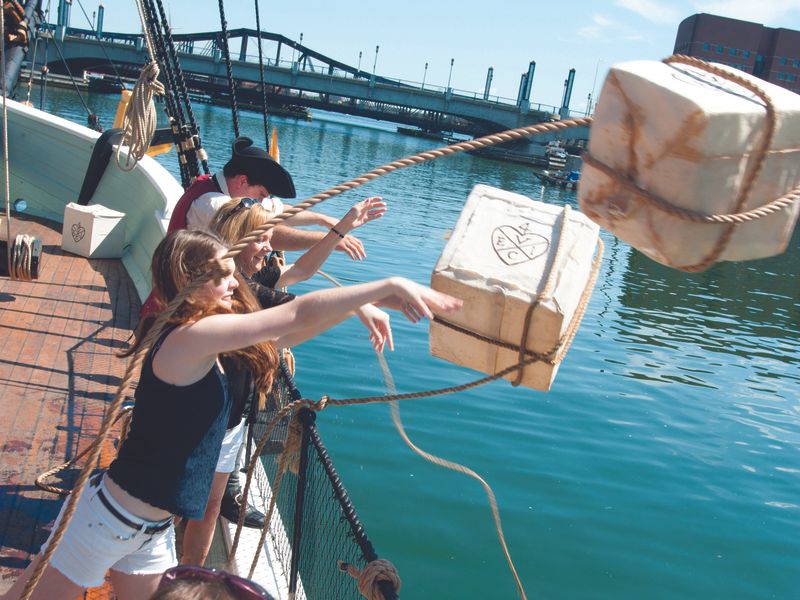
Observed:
{"x":664,"y":463}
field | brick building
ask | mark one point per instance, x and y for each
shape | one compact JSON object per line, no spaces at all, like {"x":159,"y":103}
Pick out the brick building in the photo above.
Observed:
{"x":772,"y":54}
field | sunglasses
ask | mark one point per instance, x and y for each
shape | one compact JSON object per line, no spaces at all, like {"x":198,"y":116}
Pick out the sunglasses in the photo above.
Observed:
{"x":243,"y":589}
{"x":246,"y":203}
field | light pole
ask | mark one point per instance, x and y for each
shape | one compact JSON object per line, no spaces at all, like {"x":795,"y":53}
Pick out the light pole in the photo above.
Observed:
{"x":359,"y":59}
{"x":452,"y":60}
{"x":424,"y":76}
{"x":375,"y":62}
{"x":594,"y":82}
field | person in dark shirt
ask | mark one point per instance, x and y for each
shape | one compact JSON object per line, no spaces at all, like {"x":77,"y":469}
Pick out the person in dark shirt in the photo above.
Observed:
{"x":123,"y":520}
{"x":232,"y":222}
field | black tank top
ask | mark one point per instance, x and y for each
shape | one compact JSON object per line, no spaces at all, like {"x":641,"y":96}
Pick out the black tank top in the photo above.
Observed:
{"x":169,"y":456}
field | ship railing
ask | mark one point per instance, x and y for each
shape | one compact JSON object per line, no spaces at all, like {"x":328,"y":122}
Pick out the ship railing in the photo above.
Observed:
{"x":316,"y":528}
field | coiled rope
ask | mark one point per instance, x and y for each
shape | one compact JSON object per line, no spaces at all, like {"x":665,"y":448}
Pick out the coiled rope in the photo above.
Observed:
{"x":140,"y":119}
{"x":371,"y":576}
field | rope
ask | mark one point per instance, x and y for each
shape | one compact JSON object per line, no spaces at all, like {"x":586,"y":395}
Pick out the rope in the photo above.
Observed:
{"x":71,"y":78}
{"x":145,"y":30}
{"x":172,"y":105}
{"x":140,"y":119}
{"x":369,"y":578}
{"x":194,"y":132}
{"x":30,"y":74}
{"x":21,"y":257}
{"x":263,"y":85}
{"x":125,"y":414}
{"x":6,"y":175}
{"x":541,"y":296}
{"x":102,"y":45}
{"x":563,"y":344}
{"x":229,"y":67}
{"x":288,"y":460}
{"x":453,"y":466}
{"x":216,"y":269}
{"x":690,"y":215}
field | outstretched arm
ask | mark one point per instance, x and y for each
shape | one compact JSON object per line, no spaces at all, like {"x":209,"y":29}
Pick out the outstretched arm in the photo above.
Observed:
{"x":309,"y":217}
{"x":191,"y":347}
{"x":361,"y":213}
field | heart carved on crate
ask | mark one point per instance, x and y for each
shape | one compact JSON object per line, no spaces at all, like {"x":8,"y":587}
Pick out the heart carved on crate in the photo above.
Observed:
{"x":78,"y":231}
{"x":515,"y":245}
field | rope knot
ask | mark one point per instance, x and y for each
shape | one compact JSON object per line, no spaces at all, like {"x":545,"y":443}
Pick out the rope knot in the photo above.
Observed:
{"x":290,"y":457}
{"x":369,"y":578}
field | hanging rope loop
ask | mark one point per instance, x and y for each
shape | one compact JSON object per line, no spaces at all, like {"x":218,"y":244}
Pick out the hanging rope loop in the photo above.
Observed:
{"x":140,"y":120}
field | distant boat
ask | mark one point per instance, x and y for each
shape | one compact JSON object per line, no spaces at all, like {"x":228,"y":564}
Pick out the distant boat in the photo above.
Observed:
{"x":103,"y":84}
{"x":559,"y":178}
{"x":421,"y":133}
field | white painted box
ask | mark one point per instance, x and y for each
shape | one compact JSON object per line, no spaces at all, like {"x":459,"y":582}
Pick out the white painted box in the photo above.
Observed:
{"x":499,"y":258}
{"x":93,"y":231}
{"x":688,"y":137}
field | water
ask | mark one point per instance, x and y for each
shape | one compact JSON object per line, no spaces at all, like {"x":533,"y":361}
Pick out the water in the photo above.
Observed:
{"x":665,"y":462}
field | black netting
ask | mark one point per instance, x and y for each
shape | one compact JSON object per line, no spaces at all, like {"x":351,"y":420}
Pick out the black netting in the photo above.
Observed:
{"x":329,"y":529}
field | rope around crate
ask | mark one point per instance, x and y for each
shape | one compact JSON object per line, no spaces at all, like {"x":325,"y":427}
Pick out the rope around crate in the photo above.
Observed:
{"x":754,"y":168}
{"x":550,"y":357}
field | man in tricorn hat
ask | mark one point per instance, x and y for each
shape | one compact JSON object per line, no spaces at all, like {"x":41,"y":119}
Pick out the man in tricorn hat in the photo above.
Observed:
{"x":252,"y":173}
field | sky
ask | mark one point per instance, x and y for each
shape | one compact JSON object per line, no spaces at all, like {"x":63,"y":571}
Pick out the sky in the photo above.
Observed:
{"x":476,"y":34}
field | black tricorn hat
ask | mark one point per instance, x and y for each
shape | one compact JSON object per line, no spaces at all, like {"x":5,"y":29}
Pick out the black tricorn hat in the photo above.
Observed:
{"x":250,"y":160}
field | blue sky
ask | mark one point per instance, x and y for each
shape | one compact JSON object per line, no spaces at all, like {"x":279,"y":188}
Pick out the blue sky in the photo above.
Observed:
{"x":589,"y":36}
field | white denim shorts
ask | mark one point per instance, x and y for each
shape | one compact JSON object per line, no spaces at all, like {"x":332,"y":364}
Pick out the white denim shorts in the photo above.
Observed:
{"x":96,"y":541}
{"x":231,"y":443}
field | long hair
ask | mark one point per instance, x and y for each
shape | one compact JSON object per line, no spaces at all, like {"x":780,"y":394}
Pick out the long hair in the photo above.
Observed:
{"x":183,"y":256}
{"x":233,"y":221}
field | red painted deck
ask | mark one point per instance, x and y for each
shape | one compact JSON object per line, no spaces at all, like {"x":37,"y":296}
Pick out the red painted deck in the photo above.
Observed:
{"x":58,"y":373}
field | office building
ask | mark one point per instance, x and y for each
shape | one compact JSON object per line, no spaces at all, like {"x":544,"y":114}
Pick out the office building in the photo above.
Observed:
{"x":772,"y":54}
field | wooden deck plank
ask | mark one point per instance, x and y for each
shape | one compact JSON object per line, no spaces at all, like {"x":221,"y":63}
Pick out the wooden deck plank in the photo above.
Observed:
{"x":57,"y":376}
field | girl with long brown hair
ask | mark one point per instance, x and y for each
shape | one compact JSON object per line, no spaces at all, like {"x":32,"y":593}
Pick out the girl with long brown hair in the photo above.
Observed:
{"x":123,"y":521}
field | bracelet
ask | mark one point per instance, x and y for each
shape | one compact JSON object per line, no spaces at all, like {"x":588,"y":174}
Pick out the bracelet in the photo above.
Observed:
{"x":333,"y":229}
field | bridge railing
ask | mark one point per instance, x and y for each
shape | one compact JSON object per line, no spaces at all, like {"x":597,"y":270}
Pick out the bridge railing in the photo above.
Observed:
{"x":303,"y":64}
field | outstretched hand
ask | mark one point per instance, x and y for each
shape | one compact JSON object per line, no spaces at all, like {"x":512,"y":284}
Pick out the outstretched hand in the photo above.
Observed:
{"x":417,"y":301}
{"x":365,"y":211}
{"x":360,"y":214}
{"x":377,"y":323}
{"x":352,"y":246}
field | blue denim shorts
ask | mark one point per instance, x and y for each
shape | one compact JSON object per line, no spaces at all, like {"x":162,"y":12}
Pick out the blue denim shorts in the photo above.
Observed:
{"x":96,"y":541}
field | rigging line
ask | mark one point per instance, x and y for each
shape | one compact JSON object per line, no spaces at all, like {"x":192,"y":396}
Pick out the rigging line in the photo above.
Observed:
{"x":30,"y":73}
{"x":172,"y":106}
{"x":145,"y":29}
{"x":72,"y":78}
{"x":261,"y":75}
{"x":7,"y":186}
{"x":184,"y":91}
{"x":229,"y":67}
{"x":102,"y":46}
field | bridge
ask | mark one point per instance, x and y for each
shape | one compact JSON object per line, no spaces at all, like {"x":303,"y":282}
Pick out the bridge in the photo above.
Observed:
{"x":300,"y":76}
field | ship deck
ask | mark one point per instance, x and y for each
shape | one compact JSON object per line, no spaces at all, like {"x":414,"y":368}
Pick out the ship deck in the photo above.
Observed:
{"x":58,"y":375}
